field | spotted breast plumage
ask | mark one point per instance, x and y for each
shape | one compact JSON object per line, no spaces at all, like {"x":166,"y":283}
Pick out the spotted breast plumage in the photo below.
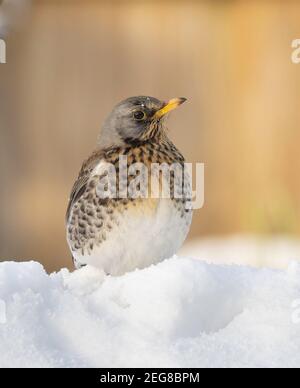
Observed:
{"x":119,"y":233}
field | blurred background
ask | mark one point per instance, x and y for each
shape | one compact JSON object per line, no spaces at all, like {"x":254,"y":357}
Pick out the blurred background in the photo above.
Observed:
{"x":70,"y":61}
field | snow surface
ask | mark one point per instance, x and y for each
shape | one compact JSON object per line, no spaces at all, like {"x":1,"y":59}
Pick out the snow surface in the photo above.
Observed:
{"x":180,"y":313}
{"x":255,"y":251}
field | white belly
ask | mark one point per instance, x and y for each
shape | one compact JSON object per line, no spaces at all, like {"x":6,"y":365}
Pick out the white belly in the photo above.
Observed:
{"x":141,"y":238}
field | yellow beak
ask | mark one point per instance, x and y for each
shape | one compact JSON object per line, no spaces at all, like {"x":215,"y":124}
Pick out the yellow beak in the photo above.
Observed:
{"x":171,"y":105}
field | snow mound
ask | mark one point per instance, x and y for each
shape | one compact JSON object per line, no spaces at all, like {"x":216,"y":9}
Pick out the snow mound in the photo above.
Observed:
{"x":180,"y":313}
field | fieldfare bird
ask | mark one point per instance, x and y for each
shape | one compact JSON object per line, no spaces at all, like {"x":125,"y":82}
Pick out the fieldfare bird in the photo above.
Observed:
{"x":114,"y":220}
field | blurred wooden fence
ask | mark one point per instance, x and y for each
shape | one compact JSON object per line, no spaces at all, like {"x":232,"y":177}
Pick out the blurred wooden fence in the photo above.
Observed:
{"x":71,"y":61}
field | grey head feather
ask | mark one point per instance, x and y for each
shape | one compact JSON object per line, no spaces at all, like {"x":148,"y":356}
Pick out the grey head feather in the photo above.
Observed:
{"x":122,"y":124}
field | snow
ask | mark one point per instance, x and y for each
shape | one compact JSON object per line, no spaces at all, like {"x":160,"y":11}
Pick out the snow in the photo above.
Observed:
{"x":273,"y":252}
{"x":180,"y":313}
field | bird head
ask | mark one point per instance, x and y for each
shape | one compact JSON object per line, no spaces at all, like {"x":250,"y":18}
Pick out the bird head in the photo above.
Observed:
{"x":136,"y":120}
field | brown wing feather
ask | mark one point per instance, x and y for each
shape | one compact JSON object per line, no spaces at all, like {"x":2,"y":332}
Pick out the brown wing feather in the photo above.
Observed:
{"x":81,"y":183}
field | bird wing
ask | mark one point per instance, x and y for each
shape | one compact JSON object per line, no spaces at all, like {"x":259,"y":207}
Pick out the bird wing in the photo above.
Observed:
{"x":80,"y":185}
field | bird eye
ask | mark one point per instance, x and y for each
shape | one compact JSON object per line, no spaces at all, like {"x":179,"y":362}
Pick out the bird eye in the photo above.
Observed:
{"x":139,"y":115}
